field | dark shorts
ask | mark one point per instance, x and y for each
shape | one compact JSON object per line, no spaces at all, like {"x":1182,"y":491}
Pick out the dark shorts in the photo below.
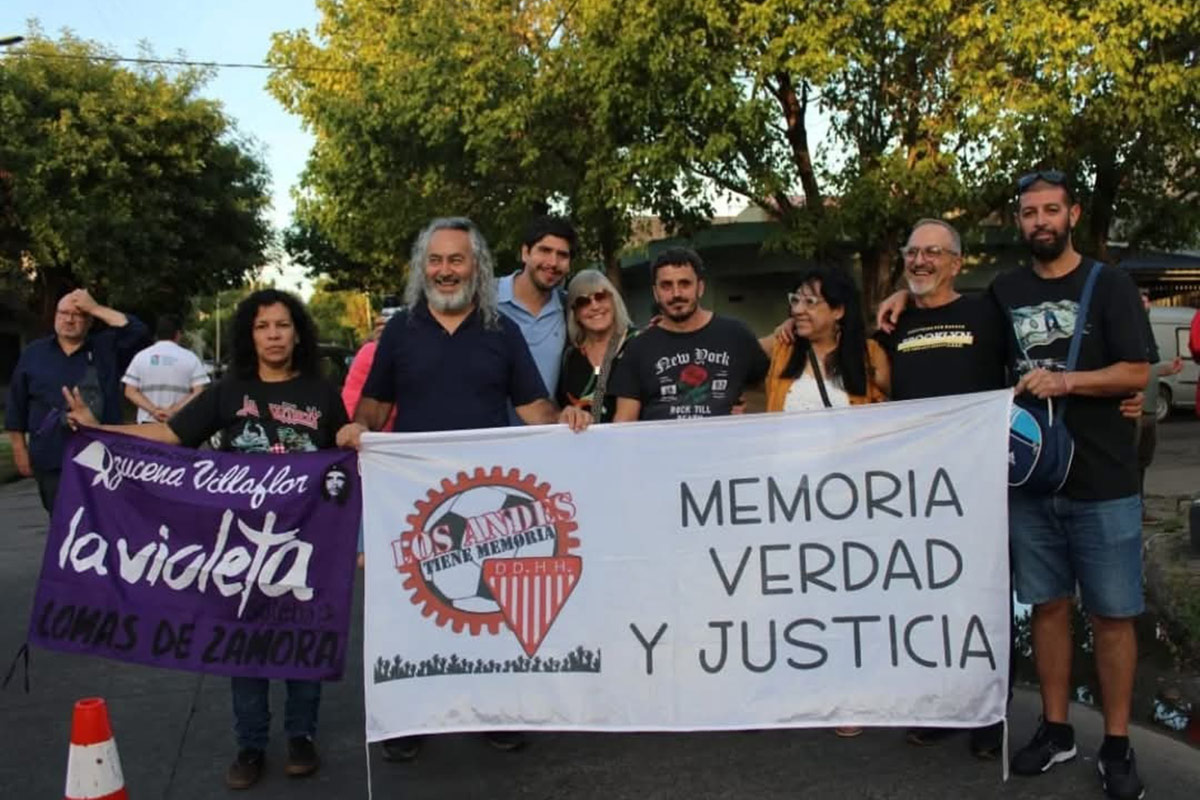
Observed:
{"x":1058,"y":543}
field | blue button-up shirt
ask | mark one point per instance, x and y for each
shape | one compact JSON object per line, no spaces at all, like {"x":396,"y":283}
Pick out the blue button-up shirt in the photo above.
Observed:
{"x":442,"y":381}
{"x":545,"y":332}
{"x":35,"y":401}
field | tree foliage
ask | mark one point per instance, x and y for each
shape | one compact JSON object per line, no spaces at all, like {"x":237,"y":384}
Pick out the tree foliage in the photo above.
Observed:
{"x":424,"y":110}
{"x":342,"y":317}
{"x":126,"y":182}
{"x":845,"y":120}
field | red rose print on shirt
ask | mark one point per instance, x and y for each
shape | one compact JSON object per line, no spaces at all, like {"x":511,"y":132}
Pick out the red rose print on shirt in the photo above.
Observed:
{"x":693,"y":375}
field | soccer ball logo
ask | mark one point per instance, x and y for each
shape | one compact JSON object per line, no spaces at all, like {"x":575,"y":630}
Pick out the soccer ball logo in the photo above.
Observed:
{"x":472,"y":520}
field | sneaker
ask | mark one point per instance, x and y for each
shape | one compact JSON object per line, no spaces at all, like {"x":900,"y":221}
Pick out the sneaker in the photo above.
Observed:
{"x":925,"y":737}
{"x":302,"y":757}
{"x":1120,"y":778}
{"x":1042,"y":753}
{"x":402,"y":748}
{"x":987,"y":742}
{"x":246,"y":769}
{"x":508,"y":741}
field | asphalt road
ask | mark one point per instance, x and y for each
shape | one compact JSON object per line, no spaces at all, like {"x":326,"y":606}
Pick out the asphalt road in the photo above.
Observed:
{"x":174,"y":730}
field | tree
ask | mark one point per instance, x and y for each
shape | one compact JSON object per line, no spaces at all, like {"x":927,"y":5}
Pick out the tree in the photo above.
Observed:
{"x":934,"y":108}
{"x":1110,"y":92}
{"x":601,"y":107}
{"x":422,"y":113}
{"x":126,"y":182}
{"x":342,"y":317}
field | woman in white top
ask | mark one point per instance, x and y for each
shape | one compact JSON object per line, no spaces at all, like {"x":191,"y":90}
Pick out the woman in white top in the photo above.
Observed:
{"x":829,"y":362}
{"x":828,"y":333}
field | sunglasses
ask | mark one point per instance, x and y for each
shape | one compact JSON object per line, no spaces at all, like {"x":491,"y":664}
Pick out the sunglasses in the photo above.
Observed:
{"x":1051,"y":176}
{"x":585,"y":300}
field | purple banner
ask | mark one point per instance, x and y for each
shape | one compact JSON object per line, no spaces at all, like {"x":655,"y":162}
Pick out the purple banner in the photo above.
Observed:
{"x":203,"y":561}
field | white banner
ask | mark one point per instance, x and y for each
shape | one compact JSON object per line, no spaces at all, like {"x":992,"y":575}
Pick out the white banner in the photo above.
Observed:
{"x":843,"y":567}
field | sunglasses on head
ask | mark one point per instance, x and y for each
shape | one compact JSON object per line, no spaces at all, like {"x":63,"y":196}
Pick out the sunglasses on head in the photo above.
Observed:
{"x":1051,"y":176}
{"x":585,"y":300}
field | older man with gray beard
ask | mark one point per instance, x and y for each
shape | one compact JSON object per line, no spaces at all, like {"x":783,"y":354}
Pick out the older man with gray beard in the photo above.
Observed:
{"x":451,"y":361}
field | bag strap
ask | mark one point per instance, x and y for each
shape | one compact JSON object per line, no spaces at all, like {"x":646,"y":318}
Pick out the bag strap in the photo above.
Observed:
{"x":816,"y":368}
{"x":1085,"y":302}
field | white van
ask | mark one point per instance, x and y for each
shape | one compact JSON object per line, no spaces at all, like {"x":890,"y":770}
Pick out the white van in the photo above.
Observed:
{"x":1172,"y":328}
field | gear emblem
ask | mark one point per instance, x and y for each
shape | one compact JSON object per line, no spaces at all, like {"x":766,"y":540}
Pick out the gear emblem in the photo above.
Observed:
{"x":472,"y":519}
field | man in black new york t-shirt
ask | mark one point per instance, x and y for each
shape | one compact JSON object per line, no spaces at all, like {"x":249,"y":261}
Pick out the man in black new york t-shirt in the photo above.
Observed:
{"x":693,"y":363}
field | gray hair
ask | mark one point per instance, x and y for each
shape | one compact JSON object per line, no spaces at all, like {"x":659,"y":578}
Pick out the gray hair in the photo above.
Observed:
{"x":486,"y":299}
{"x":587,"y":281}
{"x":955,"y":239}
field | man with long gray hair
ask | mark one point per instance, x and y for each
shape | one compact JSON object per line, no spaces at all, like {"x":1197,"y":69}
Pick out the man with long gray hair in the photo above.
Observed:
{"x":451,"y":361}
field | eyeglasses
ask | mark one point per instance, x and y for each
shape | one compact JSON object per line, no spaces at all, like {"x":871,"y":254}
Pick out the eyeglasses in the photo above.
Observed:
{"x":931,"y":252}
{"x":585,"y":300}
{"x":808,"y":300}
{"x":1052,"y":176}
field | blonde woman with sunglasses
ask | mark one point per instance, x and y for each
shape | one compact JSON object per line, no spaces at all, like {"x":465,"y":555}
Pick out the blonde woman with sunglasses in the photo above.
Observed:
{"x":598,"y":328}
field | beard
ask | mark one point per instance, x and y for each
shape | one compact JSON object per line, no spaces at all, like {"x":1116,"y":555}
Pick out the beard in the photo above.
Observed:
{"x":1048,"y":251}
{"x":541,"y":285}
{"x":680,"y":313}
{"x":921,"y":285}
{"x":451,"y":303}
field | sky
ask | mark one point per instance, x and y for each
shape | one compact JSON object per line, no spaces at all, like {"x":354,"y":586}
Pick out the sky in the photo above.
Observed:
{"x":213,"y":30}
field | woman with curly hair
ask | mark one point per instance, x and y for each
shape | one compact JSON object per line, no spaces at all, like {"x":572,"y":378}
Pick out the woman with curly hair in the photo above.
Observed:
{"x":274,"y":400}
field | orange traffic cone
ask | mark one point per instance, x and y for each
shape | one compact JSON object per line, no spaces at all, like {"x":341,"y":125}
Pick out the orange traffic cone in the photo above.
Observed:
{"x":93,"y":767}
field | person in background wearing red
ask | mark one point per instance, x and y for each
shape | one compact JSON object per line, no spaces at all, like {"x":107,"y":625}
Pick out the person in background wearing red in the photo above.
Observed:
{"x":1194,"y":346}
{"x":360,"y":368}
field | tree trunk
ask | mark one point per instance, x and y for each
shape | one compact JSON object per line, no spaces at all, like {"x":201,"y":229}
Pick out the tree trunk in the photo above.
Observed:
{"x":795,"y":108}
{"x":53,"y":282}
{"x":1103,"y":206}
{"x":876,"y":261}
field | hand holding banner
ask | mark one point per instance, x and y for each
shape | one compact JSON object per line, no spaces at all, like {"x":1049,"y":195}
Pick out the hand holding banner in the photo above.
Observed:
{"x":789,"y":570}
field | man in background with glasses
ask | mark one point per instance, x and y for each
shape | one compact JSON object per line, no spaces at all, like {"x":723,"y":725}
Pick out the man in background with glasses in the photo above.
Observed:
{"x":75,"y":356}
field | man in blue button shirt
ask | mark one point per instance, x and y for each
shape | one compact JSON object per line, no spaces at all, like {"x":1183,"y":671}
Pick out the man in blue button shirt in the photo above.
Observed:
{"x":74,"y":357}
{"x":534,"y":297}
{"x":451,"y":361}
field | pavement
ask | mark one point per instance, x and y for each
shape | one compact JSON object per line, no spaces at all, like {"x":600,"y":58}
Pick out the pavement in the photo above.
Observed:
{"x":174,"y":729}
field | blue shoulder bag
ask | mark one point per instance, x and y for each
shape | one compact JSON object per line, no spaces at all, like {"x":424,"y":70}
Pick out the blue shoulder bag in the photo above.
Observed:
{"x":1040,"y":448}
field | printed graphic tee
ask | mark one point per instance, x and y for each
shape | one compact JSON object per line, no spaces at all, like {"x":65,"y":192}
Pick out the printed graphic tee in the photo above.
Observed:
{"x":687,"y":375}
{"x":165,"y":373}
{"x":1044,"y":314}
{"x":957,"y":348}
{"x":253,"y":416}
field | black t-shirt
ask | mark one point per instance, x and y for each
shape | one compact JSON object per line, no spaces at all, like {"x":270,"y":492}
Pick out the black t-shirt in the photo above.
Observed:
{"x":577,"y":379}
{"x":253,"y":416}
{"x":957,"y":348}
{"x":696,"y":374}
{"x":1043,"y":313}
